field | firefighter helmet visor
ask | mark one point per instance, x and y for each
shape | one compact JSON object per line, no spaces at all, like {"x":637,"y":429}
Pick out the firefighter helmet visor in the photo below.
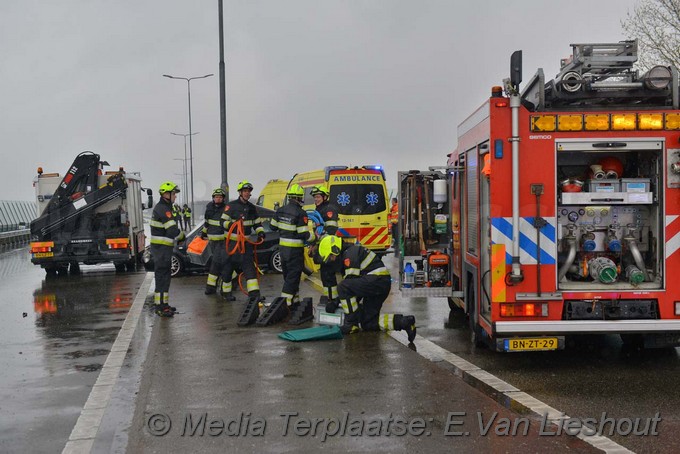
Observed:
{"x":244,"y":185}
{"x":320,"y":190}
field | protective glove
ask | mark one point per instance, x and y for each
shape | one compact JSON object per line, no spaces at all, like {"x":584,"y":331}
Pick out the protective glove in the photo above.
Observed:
{"x":332,"y":306}
{"x":204,"y":236}
{"x":261,"y":236}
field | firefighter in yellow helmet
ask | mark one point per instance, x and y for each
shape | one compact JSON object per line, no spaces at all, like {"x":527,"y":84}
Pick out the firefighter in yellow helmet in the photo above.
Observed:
{"x":165,"y":232}
{"x":214,"y":233}
{"x":329,"y":216}
{"x":291,"y":221}
{"x":241,"y":209}
{"x":364,"y":289}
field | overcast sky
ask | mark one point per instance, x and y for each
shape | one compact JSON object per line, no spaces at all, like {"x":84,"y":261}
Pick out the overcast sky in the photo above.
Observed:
{"x":309,"y":82}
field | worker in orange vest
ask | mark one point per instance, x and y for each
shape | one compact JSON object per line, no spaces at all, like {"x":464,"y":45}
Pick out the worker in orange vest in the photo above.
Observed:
{"x":393,"y":219}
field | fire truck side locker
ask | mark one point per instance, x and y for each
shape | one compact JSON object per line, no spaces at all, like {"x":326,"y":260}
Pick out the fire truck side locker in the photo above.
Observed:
{"x":426,"y":258}
{"x":575,"y":228}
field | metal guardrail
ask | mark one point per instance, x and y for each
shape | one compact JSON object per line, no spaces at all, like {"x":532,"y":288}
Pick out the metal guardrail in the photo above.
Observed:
{"x":15,"y":220}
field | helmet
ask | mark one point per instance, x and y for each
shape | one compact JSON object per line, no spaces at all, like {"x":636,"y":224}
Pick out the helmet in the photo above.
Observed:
{"x":219,"y":192}
{"x":320,"y":190}
{"x":245,"y":184}
{"x":296,"y":191}
{"x":329,"y":245}
{"x":168,"y":186}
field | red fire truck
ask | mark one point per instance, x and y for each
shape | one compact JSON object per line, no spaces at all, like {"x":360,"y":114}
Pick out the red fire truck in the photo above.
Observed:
{"x":564,"y":206}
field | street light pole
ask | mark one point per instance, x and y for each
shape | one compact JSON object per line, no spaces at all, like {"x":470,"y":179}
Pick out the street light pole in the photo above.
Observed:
{"x":191,"y":148}
{"x":223,"y":101}
{"x":186,"y":178}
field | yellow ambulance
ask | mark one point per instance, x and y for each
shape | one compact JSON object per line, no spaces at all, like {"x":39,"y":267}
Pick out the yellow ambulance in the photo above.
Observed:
{"x":273,"y":194}
{"x":361,"y":196}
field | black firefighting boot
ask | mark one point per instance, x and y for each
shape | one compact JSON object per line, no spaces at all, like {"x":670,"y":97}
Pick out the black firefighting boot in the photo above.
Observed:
{"x":228,"y":296}
{"x":351,"y":324}
{"x":406,"y":323}
{"x":210,"y":289}
{"x":165,"y":310}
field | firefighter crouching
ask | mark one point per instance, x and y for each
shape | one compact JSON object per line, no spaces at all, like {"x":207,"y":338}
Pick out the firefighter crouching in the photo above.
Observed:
{"x":329,"y":215}
{"x":242,"y":210}
{"x":164,"y":233}
{"x":291,"y":220}
{"x":214,"y":233}
{"x":364,"y":290}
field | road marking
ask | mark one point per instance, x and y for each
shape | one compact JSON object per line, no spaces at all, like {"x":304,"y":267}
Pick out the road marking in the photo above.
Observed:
{"x":469,"y":372}
{"x":84,"y":432}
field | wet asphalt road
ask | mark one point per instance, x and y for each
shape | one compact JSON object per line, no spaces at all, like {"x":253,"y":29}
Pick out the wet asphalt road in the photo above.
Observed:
{"x":253,"y":389}
{"x":54,"y":339}
{"x":50,"y":358}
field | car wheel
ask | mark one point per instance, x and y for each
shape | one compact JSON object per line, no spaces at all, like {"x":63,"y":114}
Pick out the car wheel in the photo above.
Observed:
{"x":176,"y":265}
{"x":275,"y":262}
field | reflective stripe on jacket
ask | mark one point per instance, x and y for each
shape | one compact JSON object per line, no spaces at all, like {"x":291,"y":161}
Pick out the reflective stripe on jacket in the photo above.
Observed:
{"x":329,"y":214}
{"x":213,"y":222}
{"x":164,"y":229}
{"x":238,"y":209}
{"x":359,"y":261}
{"x":291,"y":221}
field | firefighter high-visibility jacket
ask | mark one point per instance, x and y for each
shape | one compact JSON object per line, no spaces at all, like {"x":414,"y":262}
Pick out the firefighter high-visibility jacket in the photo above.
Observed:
{"x":164,"y":228}
{"x":213,"y":221}
{"x":291,"y":220}
{"x":238,"y":209}
{"x":329,"y":214}
{"x":358,"y":261}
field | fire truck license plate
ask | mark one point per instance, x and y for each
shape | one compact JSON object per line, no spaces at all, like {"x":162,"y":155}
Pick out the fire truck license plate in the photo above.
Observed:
{"x":531,"y":344}
{"x":39,"y":255}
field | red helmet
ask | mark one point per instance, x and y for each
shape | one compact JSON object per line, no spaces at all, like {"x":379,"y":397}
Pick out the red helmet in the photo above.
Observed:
{"x":612,"y":167}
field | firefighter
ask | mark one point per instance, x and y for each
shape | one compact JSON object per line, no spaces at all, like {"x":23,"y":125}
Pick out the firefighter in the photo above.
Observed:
{"x":177,"y":214}
{"x":164,"y":233}
{"x":186,"y":212}
{"x":291,"y":220}
{"x":365,"y":287}
{"x":393,"y":219}
{"x":214,"y":233}
{"x":329,"y":215}
{"x":241,"y":209}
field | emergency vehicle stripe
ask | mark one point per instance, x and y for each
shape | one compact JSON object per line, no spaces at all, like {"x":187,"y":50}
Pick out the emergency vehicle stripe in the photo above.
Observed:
{"x":498,"y":286}
{"x":673,"y":234}
{"x":376,"y":236}
{"x":501,"y":233}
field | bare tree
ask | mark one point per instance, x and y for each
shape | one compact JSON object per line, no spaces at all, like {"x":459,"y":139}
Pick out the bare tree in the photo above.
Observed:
{"x":656,"y":25}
